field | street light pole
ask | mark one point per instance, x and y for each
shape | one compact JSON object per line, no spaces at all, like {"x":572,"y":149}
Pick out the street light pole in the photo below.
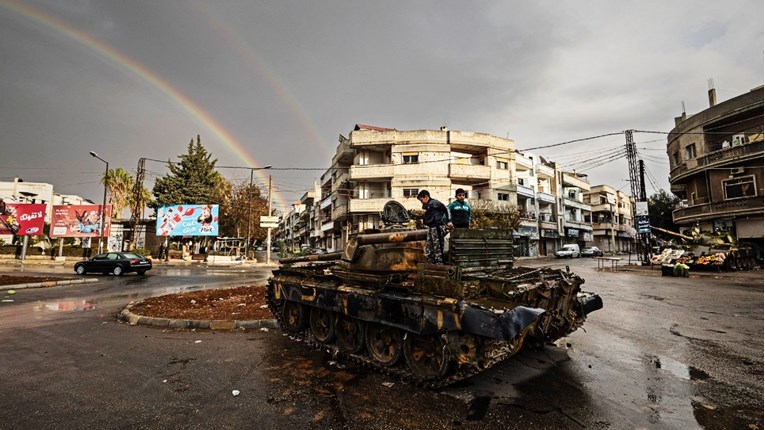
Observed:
{"x":249,"y":210}
{"x":103,"y":206}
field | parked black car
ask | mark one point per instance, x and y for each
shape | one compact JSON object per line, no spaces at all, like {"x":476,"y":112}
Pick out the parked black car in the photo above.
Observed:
{"x":115,"y":263}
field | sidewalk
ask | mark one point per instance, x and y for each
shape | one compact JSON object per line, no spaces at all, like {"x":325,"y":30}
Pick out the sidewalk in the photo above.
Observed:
{"x":69,"y":261}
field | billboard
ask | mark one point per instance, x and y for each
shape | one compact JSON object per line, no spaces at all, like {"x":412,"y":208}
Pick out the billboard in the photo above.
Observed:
{"x":22,"y":219}
{"x":79,"y":221}
{"x":187,"y":220}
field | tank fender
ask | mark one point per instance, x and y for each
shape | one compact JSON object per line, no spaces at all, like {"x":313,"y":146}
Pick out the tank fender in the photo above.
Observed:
{"x":504,"y":326}
{"x":590,"y":303}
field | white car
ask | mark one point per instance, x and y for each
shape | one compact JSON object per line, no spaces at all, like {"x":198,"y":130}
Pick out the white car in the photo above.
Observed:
{"x":570,"y":250}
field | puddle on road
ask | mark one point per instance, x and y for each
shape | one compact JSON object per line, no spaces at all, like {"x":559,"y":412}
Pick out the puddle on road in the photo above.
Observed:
{"x":681,"y":370}
{"x":66,"y":306}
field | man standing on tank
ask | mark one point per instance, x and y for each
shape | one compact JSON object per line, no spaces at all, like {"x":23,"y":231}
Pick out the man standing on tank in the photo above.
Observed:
{"x":436,"y":219}
{"x":460,"y":211}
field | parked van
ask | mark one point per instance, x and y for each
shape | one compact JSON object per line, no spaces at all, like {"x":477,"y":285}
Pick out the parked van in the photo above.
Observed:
{"x":570,"y":250}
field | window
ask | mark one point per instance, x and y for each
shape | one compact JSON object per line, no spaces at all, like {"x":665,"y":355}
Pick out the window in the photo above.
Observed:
{"x":411,"y":158}
{"x":739,"y":188}
{"x":502,"y":164}
{"x":503,"y":197}
{"x":411,"y":192}
{"x":690,"y":151}
{"x":676,"y":157}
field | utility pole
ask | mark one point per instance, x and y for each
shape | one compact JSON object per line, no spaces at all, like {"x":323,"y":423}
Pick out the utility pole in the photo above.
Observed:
{"x":268,"y":238}
{"x":135,"y":211}
{"x":640,"y":208}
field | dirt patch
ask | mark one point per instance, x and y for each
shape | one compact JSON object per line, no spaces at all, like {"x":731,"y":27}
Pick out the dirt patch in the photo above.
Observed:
{"x":6,"y":280}
{"x":244,"y":303}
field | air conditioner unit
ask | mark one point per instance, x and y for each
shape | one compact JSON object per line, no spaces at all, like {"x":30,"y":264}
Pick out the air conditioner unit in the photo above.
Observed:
{"x":736,"y":170}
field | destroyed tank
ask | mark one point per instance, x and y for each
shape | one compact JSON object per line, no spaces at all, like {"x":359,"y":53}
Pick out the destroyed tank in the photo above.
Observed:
{"x":718,"y":250}
{"x":379,"y":303}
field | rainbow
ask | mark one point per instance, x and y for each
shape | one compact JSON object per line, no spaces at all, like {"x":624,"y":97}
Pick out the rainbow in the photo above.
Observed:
{"x":242,"y":48}
{"x":121,"y":60}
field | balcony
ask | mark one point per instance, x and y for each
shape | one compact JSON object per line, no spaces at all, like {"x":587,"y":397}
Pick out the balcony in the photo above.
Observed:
{"x":748,"y":206}
{"x":716,"y":159}
{"x":545,"y":197}
{"x":327,"y":225}
{"x":546,"y":171}
{"x":523,"y":190}
{"x":367,"y":205}
{"x":371,"y":171}
{"x":573,"y":181}
{"x":576,"y":204}
{"x":466,"y":172}
{"x":578,"y":224}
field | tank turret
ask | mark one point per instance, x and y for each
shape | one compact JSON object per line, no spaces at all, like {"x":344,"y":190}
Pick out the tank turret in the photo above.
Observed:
{"x":719,"y":250}
{"x":379,"y":302}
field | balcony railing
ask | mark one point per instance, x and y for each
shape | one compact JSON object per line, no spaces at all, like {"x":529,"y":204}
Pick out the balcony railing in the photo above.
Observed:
{"x":718,"y":157}
{"x":371,"y":171}
{"x":719,"y":209}
{"x":469,"y":171}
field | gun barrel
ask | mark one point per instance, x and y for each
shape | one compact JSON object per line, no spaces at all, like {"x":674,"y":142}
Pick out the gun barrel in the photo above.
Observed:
{"x":672,"y":233}
{"x":314,"y":257}
{"x":398,"y":236}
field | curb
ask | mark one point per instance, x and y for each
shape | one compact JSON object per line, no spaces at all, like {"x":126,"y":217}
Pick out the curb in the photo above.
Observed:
{"x":134,"y":319}
{"x":46,"y":284}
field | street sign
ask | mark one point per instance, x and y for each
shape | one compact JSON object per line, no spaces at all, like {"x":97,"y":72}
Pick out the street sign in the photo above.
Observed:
{"x":269,"y":221}
{"x":643,"y":224}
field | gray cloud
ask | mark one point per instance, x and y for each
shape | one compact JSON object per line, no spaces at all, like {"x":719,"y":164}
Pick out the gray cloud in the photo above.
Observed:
{"x":283,"y":79}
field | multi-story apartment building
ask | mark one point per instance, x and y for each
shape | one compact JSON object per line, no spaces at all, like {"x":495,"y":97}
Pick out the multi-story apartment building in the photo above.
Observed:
{"x":716,"y":167}
{"x":611,"y":218}
{"x":574,"y":213}
{"x":374,"y":165}
{"x":392,"y":164}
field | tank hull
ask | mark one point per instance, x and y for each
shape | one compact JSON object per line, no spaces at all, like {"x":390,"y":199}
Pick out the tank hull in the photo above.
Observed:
{"x":429,"y":324}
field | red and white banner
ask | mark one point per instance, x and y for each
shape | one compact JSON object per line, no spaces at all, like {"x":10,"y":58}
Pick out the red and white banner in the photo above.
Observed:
{"x":22,"y":219}
{"x":79,"y":221}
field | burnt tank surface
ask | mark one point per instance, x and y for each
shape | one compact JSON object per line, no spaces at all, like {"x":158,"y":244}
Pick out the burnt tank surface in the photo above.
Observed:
{"x":379,"y":303}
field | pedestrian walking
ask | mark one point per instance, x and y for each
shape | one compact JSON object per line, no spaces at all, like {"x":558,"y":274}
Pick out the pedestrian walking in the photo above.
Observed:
{"x":436,"y":219}
{"x":460,"y":212}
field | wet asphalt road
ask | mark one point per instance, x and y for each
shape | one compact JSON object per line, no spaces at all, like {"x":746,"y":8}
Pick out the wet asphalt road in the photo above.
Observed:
{"x":664,"y":353}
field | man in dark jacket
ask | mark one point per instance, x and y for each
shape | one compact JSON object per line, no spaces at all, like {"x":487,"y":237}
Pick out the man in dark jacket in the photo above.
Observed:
{"x":436,"y":219}
{"x":460,"y":212}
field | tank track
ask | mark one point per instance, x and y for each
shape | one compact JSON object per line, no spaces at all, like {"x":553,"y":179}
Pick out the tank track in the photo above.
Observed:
{"x":400,"y":371}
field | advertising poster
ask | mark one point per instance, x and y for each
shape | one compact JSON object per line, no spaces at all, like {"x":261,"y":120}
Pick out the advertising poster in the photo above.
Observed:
{"x":79,"y":221}
{"x":22,"y":219}
{"x":187,"y":220}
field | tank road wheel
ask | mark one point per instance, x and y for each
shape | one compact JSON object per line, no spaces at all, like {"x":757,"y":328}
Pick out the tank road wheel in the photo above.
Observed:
{"x":383,"y":344}
{"x":322,"y":324}
{"x":426,"y":356}
{"x":294,"y":317}
{"x":350,"y":334}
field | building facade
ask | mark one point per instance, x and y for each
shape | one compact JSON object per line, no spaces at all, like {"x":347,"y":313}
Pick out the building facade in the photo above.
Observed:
{"x":374,"y":165}
{"x":613,"y":228}
{"x":716,"y":167}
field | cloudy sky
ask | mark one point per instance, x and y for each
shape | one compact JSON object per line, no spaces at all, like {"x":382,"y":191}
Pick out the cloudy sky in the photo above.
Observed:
{"x":275,"y":83}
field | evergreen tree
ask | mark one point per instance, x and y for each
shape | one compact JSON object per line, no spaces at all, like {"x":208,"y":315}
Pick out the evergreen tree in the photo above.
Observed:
{"x":192,"y":180}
